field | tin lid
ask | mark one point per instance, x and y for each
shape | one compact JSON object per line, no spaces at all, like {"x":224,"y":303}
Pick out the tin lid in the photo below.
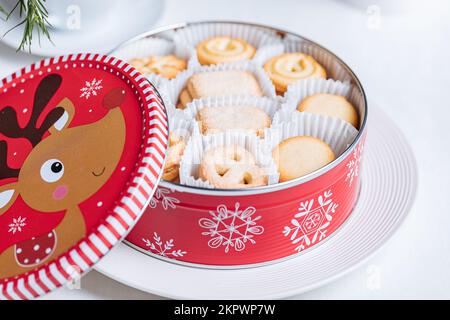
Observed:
{"x":82,"y":146}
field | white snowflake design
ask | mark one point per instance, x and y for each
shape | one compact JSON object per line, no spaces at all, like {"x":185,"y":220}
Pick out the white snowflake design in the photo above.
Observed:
{"x":162,"y":196}
{"x":231,"y":228}
{"x":311,"y":222}
{"x":91,"y":88}
{"x":353,"y":164}
{"x":17,"y":225}
{"x":164,"y":249}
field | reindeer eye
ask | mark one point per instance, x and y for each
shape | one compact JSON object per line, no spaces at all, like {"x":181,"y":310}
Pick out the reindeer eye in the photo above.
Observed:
{"x":52,"y":170}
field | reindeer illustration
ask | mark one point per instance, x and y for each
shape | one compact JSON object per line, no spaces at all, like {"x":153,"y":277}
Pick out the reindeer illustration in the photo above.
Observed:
{"x":63,"y":169}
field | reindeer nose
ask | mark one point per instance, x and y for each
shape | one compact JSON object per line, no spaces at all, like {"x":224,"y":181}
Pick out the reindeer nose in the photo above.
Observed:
{"x":114,"y":98}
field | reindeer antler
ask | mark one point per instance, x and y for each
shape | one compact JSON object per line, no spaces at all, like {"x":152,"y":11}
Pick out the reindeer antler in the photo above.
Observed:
{"x":5,"y":171}
{"x":9,"y":125}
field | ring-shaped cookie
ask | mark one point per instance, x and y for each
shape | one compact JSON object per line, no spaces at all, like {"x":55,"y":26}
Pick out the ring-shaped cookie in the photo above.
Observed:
{"x":287,"y":68}
{"x":224,"y":49}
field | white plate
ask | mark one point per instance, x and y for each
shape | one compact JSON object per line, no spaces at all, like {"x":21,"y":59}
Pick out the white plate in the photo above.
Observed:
{"x":106,"y":35}
{"x":389,"y":179}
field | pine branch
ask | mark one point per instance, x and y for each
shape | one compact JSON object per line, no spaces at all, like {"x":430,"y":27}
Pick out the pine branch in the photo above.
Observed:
{"x":4,"y":13}
{"x":36,"y":18}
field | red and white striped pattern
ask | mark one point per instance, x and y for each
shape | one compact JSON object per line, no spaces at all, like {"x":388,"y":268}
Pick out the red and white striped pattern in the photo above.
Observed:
{"x":142,"y":185}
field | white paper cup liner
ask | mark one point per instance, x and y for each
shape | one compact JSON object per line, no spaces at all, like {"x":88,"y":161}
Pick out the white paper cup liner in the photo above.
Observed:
{"x":166,"y":34}
{"x":356,"y":98}
{"x":327,"y":60}
{"x":256,"y":36}
{"x":156,"y":47}
{"x":182,"y":125}
{"x":297,"y":91}
{"x":337,"y":133}
{"x":301,"y":89}
{"x":268,"y":52}
{"x":268,"y":105}
{"x":175,"y":86}
{"x":198,"y":145}
{"x":162,"y":90}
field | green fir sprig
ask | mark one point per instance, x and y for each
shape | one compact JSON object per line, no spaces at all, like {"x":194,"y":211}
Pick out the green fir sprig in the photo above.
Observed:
{"x":35,"y":18}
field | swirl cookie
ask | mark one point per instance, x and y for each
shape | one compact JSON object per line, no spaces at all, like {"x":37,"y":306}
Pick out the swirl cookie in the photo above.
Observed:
{"x":224,"y":49}
{"x":300,"y":155}
{"x":231,"y":167}
{"x":218,"y":83}
{"x":330,"y":105}
{"x":174,"y":154}
{"x":166,"y":66}
{"x":245,"y":118}
{"x":287,"y":68}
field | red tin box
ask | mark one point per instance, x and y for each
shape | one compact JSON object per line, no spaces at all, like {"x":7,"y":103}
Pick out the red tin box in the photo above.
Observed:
{"x":242,"y":228}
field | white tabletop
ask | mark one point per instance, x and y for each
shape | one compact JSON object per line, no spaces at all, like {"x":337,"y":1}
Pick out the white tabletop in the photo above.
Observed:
{"x":402,"y":59}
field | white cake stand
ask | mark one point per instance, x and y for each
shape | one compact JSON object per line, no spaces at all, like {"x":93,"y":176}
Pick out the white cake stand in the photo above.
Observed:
{"x":389,"y":180}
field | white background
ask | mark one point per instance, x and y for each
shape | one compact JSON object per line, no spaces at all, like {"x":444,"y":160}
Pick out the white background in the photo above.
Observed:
{"x":404,"y":66}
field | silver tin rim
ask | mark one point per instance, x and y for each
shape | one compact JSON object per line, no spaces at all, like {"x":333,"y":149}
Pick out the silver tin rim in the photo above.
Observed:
{"x":282,"y":185}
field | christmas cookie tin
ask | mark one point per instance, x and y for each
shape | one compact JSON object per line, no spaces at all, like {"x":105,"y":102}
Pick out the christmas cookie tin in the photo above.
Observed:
{"x":82,"y":144}
{"x":191,"y":222}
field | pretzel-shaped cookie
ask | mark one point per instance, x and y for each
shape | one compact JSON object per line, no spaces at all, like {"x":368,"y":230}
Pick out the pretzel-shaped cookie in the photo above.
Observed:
{"x":224,"y":49}
{"x":231,"y":167}
{"x":287,"y":68}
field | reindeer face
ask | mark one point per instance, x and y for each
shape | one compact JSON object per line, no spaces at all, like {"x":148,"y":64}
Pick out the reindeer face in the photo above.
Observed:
{"x":72,"y":163}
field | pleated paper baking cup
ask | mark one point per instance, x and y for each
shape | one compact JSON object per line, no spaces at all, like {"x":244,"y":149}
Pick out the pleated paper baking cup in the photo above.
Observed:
{"x":325,"y":59}
{"x":163,"y":93}
{"x":184,"y":128}
{"x":182,"y":125}
{"x":302,"y":89}
{"x":269,"y":51}
{"x":337,"y":133}
{"x":174,"y":88}
{"x":268,"y":105}
{"x":198,"y":145}
{"x":257,"y":37}
{"x":334,"y":69}
{"x":357,"y":99}
{"x":299,"y":90}
{"x":153,"y":46}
